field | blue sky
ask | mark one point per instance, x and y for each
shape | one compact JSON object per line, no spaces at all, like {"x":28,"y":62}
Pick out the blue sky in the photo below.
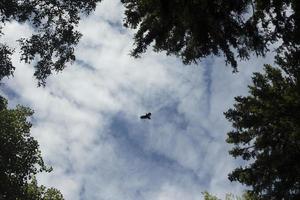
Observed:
{"x":87,"y":117}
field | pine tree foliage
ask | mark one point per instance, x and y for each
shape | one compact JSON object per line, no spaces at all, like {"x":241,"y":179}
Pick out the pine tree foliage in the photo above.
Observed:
{"x":195,"y":29}
{"x":267,"y":134}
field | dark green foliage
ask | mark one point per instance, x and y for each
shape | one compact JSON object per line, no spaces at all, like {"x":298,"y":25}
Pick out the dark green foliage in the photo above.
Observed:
{"x":195,"y":29}
{"x":55,"y":37}
{"x":280,"y":20}
{"x":267,"y":134}
{"x":35,"y":192}
{"x":20,"y":157}
{"x":6,"y":67}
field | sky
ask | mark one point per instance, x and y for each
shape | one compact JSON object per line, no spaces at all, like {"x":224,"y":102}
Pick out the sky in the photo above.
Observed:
{"x":87,"y":117}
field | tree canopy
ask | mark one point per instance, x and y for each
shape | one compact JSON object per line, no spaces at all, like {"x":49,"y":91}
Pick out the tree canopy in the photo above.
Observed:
{"x":195,"y":29}
{"x":267,"y":134}
{"x":190,"y":30}
{"x":55,"y":36}
{"x":20,"y":157}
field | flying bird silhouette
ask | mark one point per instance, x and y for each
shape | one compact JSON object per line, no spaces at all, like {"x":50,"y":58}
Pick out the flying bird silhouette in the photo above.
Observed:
{"x":146,"y":116}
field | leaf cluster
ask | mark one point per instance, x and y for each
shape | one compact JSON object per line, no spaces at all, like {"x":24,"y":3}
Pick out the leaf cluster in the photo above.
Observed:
{"x":35,"y":192}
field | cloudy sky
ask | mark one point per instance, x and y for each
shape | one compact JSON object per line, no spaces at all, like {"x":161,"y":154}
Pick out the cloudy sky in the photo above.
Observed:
{"x":87,"y":117}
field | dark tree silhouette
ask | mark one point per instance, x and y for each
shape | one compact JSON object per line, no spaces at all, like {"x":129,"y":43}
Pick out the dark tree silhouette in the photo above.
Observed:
{"x":195,"y":29}
{"x":55,"y":37}
{"x":267,"y":134}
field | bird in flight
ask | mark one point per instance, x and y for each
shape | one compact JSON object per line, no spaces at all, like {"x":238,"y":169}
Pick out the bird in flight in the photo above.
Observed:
{"x":146,"y":116}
